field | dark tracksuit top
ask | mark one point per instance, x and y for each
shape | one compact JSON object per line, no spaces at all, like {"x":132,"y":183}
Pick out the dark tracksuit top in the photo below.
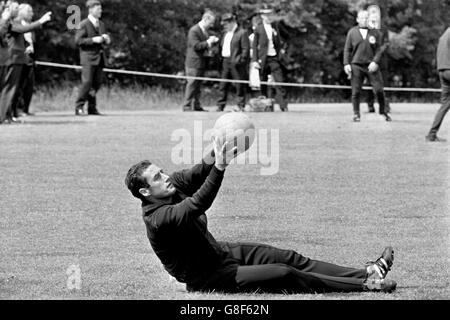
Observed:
{"x":364,"y":51}
{"x":178,"y":234}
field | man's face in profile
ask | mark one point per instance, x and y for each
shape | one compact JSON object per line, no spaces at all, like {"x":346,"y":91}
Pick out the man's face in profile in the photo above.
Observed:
{"x":96,"y":11}
{"x":159,"y":184}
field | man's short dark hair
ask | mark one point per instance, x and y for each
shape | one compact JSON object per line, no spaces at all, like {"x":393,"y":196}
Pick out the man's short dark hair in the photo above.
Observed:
{"x":93,"y":3}
{"x":134,"y":179}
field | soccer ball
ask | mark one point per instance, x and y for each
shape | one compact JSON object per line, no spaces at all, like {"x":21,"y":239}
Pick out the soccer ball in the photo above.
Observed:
{"x":236,"y":127}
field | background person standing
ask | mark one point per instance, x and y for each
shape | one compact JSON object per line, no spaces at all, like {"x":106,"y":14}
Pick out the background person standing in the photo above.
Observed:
{"x":27,"y":82}
{"x":92,"y":40}
{"x":443,"y":66}
{"x":362,"y":54}
{"x":235,"y":49}
{"x":12,"y":60}
{"x":266,"y":53}
{"x":199,"y":43}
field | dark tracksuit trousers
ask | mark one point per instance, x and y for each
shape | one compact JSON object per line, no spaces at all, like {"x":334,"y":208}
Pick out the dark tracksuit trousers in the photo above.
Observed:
{"x":359,"y":72}
{"x":269,"y":269}
{"x":230,"y":71}
{"x":444,"y":76}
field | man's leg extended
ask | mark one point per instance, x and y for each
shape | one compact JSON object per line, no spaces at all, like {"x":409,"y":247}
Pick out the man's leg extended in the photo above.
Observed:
{"x":258,"y":254}
{"x":275,"y":270}
{"x":281,"y":278}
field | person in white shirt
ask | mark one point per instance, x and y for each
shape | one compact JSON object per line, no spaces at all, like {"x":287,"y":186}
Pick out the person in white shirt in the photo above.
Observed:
{"x":235,"y":51}
{"x":266,"y":53}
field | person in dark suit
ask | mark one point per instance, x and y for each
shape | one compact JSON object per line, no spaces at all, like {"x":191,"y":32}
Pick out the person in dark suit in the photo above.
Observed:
{"x":199,"y":43}
{"x":92,"y":40}
{"x":12,"y":59}
{"x":27,"y":82}
{"x":235,"y":49}
{"x":266,"y":55}
{"x":174,"y":212}
{"x":362,"y":53}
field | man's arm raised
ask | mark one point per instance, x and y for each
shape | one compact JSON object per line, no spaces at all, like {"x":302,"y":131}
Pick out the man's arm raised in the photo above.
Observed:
{"x":193,"y":207}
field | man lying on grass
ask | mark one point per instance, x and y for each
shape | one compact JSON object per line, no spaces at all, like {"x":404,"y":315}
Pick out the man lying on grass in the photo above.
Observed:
{"x":174,"y":213}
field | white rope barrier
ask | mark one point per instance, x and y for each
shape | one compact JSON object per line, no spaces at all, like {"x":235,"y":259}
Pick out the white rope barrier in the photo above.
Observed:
{"x":180,"y":77}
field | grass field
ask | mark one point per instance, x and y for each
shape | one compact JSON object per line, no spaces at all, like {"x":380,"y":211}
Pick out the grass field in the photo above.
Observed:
{"x":343,"y":192}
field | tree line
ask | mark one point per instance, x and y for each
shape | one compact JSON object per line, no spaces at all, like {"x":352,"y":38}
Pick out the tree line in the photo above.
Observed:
{"x":150,"y":35}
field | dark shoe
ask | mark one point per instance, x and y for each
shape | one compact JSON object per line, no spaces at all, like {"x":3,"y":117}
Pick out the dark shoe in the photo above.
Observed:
{"x":371,"y":110}
{"x":200,"y":109}
{"x":434,"y":138}
{"x":380,"y":285}
{"x":220,"y":108}
{"x":94,"y":113}
{"x":284,"y":109}
{"x":29,"y":114}
{"x":356,"y":118}
{"x":238,"y":109}
{"x":387,"y":117}
{"x":79,"y":112}
{"x":380,"y":268}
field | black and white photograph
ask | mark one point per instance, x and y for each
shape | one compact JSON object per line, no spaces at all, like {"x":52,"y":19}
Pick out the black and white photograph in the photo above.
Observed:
{"x":237,"y":151}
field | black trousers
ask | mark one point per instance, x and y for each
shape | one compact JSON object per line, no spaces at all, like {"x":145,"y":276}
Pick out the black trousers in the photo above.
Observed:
{"x":371,"y":94}
{"x":27,"y":88}
{"x":269,"y":269}
{"x":230,"y":71}
{"x":10,"y":78}
{"x":274,"y":68}
{"x":91,"y":81}
{"x":359,"y":72}
{"x":444,"y":76}
{"x":193,"y":89}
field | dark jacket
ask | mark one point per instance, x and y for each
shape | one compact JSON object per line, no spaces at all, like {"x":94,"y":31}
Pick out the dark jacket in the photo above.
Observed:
{"x":4,"y":25}
{"x":240,"y":47}
{"x":178,"y":234}
{"x":90,"y":53}
{"x":197,"y":48}
{"x":261,"y":44}
{"x":14,"y":51}
{"x":443,"y":51}
{"x":364,"y":51}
